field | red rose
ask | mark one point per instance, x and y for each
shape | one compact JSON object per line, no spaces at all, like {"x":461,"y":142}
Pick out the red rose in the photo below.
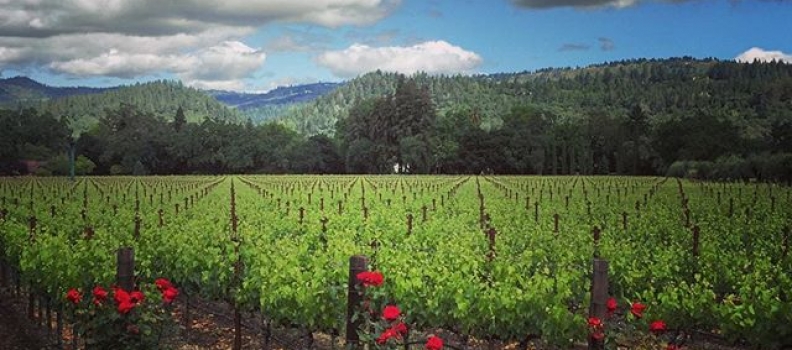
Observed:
{"x":674,"y":347}
{"x":657,"y":327}
{"x":121,"y":296}
{"x":638,"y":309}
{"x":434,"y":343}
{"x":387,"y":334}
{"x":125,"y":306}
{"x":594,"y":322}
{"x":169,"y":295}
{"x":100,"y":294}
{"x":611,"y":305}
{"x":391,"y":312}
{"x":370,"y":279}
{"x":162,"y":284}
{"x":136,"y":297}
{"x":598,"y":336}
{"x":400,"y":328}
{"x":74,"y":296}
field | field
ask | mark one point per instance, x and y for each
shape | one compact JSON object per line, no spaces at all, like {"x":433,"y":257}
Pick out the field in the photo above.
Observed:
{"x":506,"y":258}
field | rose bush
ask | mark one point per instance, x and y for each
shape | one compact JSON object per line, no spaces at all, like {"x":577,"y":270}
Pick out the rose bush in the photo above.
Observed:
{"x":386,"y":328}
{"x":130,"y":321}
{"x":629,"y":327}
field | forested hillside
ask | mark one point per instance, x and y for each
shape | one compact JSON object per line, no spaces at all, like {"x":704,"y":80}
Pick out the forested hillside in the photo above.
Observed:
{"x":681,"y":117}
{"x":24,"y":90}
{"x":732,"y":120}
{"x":160,"y":98}
{"x":261,"y":107}
{"x":479,"y":93}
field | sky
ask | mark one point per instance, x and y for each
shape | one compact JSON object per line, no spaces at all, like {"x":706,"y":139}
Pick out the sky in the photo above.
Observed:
{"x":257,"y":45}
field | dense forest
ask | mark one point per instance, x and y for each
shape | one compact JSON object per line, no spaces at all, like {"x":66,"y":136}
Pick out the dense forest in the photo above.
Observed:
{"x":680,"y":117}
{"x":161,"y":98}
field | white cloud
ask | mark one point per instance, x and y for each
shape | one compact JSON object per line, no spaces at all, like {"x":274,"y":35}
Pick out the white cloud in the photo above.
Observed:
{"x":433,"y":57}
{"x":199,"y":41}
{"x":41,"y":18}
{"x":220,"y":66}
{"x":759,"y":54}
{"x":229,"y":60}
{"x":117,"y":64}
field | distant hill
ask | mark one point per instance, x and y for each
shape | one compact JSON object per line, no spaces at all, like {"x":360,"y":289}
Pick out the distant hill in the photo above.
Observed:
{"x":161,"y":98}
{"x":24,"y":89}
{"x":478,"y":93}
{"x":666,"y":88}
{"x":279,"y":96}
{"x":274,"y":103}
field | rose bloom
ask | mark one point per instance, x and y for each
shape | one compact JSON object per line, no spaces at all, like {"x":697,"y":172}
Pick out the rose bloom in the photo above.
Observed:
{"x":125,"y":306}
{"x":370,"y":279}
{"x":611,"y":305}
{"x":121,"y":296}
{"x":434,"y":343}
{"x":169,"y":295}
{"x":100,"y":294}
{"x":401,"y":328}
{"x":387,"y":334}
{"x":391,"y":312}
{"x":638,"y":309}
{"x":594,"y":322}
{"x":136,"y":297}
{"x":598,"y":335}
{"x":657,"y":327}
{"x":162,"y":284}
{"x":74,"y":296}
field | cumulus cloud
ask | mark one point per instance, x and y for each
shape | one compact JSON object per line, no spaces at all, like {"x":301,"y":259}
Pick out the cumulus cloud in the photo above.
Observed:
{"x":546,"y":4}
{"x":758,"y":54}
{"x":220,"y":65}
{"x":299,"y":41}
{"x":41,"y":18}
{"x":199,"y":41}
{"x":433,"y":57}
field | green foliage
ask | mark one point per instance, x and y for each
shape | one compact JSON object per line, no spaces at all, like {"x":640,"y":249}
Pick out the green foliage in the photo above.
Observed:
{"x":399,"y":126}
{"x":160,"y":98}
{"x":59,"y":165}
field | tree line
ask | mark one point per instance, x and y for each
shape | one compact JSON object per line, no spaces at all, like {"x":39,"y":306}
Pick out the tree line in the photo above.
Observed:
{"x":681,"y":117}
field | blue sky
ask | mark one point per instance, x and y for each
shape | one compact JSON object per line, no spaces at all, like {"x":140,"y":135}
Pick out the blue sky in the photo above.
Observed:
{"x":258,"y":45}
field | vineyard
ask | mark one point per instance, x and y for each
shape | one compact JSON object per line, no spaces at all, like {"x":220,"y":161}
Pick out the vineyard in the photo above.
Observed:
{"x":493,"y":259}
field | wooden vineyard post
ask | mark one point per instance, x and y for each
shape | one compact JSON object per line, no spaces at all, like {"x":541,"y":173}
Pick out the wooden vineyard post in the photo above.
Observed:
{"x":409,"y":224}
{"x":599,"y":298}
{"x":624,"y":220}
{"x":596,"y":233}
{"x":357,"y":264}
{"x":32,"y":227}
{"x":696,"y":233}
{"x":125,"y":269}
{"x":555,"y":223}
{"x":136,"y":233}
